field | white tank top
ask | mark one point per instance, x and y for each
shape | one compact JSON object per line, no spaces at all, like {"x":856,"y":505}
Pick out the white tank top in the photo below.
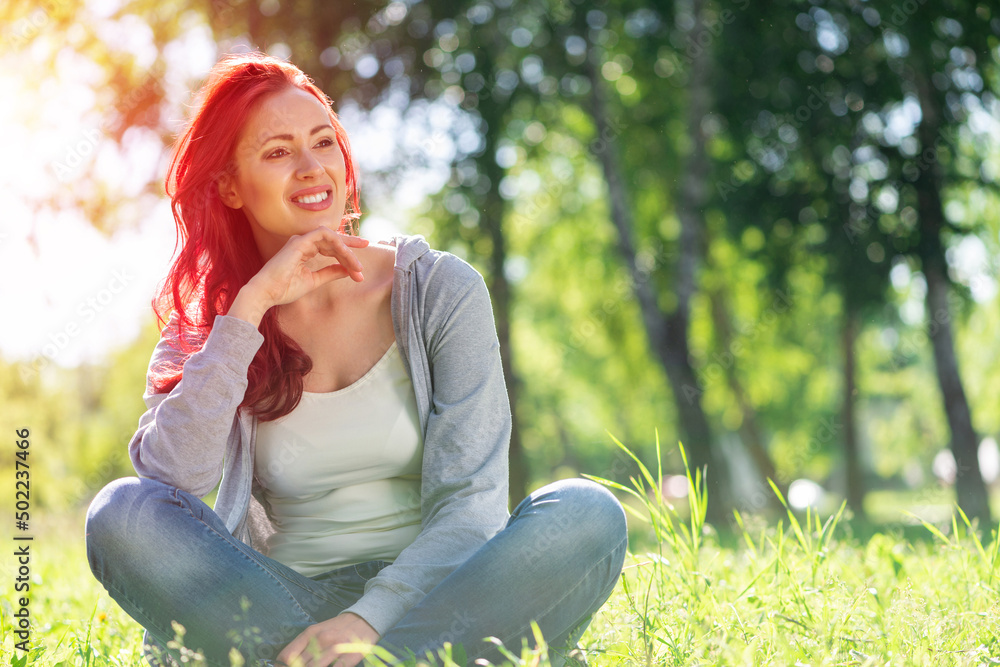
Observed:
{"x":341,"y":472}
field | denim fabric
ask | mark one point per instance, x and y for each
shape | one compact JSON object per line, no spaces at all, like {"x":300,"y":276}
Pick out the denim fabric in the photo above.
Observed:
{"x":443,"y":323}
{"x":166,"y":557}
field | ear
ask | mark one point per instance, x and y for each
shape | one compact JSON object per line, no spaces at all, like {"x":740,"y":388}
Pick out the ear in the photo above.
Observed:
{"x":227,"y":191}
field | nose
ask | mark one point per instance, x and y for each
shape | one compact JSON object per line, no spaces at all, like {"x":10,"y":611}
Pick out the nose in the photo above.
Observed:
{"x":308,"y":166}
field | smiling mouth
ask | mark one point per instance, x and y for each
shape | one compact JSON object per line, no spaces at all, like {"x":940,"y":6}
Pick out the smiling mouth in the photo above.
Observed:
{"x":312,"y":199}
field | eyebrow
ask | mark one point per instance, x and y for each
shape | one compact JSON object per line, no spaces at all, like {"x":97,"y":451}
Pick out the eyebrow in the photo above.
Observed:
{"x":288,"y":137}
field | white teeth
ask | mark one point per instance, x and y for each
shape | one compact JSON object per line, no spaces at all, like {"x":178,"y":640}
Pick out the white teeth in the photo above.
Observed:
{"x":312,"y":199}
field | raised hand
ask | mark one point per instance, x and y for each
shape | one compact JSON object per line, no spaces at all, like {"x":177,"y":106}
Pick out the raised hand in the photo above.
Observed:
{"x":292,"y":272}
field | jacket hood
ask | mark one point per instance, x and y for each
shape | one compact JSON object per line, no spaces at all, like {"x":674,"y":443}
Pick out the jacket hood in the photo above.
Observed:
{"x":409,"y":249}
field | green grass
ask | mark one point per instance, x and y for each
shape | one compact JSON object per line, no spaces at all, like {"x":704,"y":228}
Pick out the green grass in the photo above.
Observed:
{"x":800,"y":591}
{"x":74,"y":622}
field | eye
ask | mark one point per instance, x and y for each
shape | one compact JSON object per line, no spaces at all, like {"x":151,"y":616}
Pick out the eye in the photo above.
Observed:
{"x":325,"y":143}
{"x":277,"y":152}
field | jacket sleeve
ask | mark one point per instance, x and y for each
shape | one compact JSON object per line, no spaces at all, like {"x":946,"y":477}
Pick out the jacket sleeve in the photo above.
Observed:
{"x":181,"y":438}
{"x":464,"y":471}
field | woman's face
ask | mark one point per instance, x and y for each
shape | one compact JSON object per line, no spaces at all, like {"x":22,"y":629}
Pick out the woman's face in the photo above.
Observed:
{"x":290,"y":175}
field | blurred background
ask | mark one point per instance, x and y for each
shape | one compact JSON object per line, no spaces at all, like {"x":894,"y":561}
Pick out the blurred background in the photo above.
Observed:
{"x":768,"y":230}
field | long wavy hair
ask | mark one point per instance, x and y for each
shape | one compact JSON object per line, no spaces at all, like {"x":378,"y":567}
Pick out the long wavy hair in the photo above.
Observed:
{"x":216,"y":254}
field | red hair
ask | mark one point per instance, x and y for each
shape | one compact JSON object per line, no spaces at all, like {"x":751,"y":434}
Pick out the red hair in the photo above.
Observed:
{"x":217,"y":254}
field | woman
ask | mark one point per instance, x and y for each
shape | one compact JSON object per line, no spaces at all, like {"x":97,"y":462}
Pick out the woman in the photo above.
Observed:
{"x":349,"y":397}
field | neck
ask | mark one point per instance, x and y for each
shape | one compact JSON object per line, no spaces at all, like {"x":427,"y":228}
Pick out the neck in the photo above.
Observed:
{"x":322,"y":301}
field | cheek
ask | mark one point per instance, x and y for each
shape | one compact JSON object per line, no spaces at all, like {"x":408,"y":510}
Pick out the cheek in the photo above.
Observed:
{"x":339,"y":164}
{"x":337,"y":171}
{"x":259,"y":192}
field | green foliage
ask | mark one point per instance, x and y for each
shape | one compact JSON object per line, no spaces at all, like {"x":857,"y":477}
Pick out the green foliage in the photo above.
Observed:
{"x":582,"y":359}
{"x":796,"y":593}
{"x":80,"y":422}
{"x":787,"y":213}
{"x":800,"y":590}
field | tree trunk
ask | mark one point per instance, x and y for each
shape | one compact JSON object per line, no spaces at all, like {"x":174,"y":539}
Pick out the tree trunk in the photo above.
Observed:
{"x":969,"y":487}
{"x":691,"y":200}
{"x":852,"y":461}
{"x":750,"y":431}
{"x":491,"y":222}
{"x":668,"y":332}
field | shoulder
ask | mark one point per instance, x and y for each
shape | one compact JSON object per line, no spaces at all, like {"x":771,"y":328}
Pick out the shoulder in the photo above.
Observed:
{"x":382,"y":253}
{"x":441,"y":285}
{"x":433,"y":271}
{"x":378,"y":261}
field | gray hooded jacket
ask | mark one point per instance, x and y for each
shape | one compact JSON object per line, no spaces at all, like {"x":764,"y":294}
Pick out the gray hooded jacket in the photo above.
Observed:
{"x":443,"y":321}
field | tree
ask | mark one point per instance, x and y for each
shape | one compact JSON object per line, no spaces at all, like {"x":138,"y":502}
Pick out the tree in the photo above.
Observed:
{"x":667,"y":331}
{"x":956,"y":55}
{"x":855,"y":168}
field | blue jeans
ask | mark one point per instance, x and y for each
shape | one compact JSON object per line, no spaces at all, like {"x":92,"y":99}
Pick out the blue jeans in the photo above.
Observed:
{"x":165,"y":556}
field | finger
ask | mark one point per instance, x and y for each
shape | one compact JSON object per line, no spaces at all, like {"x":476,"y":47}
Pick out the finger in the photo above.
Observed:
{"x":294,"y":649}
{"x":342,"y":659}
{"x":321,"y":657}
{"x":342,"y":254}
{"x":355,"y":241}
{"x":324,"y":241}
{"x":309,"y":656}
{"x":286,"y":656}
{"x":348,"y":239}
{"x":332,"y":248}
{"x":348,"y":660}
{"x":330,"y":273}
